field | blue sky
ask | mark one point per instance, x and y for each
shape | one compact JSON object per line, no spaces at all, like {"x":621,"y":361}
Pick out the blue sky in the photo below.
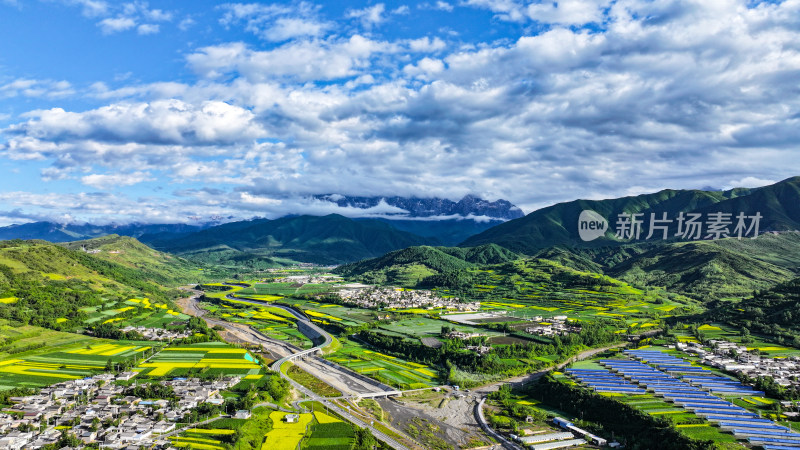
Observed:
{"x":175,"y":111}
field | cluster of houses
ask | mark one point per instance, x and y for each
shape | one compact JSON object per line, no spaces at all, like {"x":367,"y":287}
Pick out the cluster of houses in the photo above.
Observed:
{"x":554,"y":326}
{"x":159,"y":334}
{"x":96,"y":410}
{"x":463,"y":335}
{"x":735,"y":358}
{"x":310,"y":278}
{"x":389,"y":297}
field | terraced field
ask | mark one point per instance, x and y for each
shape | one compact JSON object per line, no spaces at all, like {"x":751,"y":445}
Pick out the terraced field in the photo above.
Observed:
{"x":526,"y":289}
{"x":209,"y":358}
{"x":133,"y":312}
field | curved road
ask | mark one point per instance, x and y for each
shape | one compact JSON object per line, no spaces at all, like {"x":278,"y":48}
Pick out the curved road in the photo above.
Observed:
{"x":297,"y":353}
{"x":276,"y":366}
{"x":525,"y":379}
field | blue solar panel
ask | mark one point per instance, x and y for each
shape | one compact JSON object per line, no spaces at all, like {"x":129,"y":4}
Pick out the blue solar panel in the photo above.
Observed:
{"x":610,"y":389}
{"x":699,"y":394}
{"x":728,"y":419}
{"x":597,"y":378}
{"x":724,"y":413}
{"x":676,"y":390}
{"x":775,"y":440}
{"x":701,"y":401}
{"x":755,"y":426}
{"x":767,"y":433}
{"x":741,"y":393}
{"x":703,"y":406}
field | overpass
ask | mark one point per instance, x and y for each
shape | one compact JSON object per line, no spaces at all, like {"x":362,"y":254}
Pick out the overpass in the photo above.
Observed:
{"x":309,"y":328}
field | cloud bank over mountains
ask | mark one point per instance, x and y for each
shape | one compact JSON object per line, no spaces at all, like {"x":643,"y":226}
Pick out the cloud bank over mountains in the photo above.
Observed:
{"x":575,"y":99}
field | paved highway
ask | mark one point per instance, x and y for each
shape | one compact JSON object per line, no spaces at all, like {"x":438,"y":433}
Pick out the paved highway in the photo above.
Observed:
{"x":258,"y":338}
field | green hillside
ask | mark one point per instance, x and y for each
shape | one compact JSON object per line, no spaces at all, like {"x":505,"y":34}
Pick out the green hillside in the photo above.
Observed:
{"x":162,"y":268}
{"x":702,"y":270}
{"x":779,"y":204}
{"x":51,"y":286}
{"x":773,"y":312}
{"x":410,"y":266}
{"x":328,"y":239}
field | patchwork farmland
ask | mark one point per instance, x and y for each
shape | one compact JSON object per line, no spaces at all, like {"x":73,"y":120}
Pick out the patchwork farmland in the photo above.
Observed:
{"x":70,"y":362}
{"x":385,"y":368}
{"x":133,"y":312}
{"x":276,"y":323}
{"x":208,"y":358}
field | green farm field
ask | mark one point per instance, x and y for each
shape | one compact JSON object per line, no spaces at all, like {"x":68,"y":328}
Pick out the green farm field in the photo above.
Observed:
{"x":284,"y":289}
{"x":134,"y":312}
{"x":208,"y":358}
{"x":68,"y":360}
{"x":422,"y":327}
{"x":384,"y":368}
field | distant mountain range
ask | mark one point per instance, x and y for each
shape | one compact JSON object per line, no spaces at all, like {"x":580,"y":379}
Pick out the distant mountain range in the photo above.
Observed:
{"x":57,"y":232}
{"x":330,"y":239}
{"x":469,"y":206}
{"x":557,"y":225}
{"x":433,"y":220}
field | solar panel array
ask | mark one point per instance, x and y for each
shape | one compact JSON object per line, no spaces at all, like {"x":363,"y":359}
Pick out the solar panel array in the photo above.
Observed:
{"x":691,"y":387}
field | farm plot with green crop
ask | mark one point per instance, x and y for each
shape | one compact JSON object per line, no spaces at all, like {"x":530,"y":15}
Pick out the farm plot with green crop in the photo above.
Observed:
{"x":134,"y":312}
{"x":385,"y":368}
{"x":68,"y":362}
{"x":208,"y":358}
{"x":422,"y":327}
{"x":330,"y":435}
{"x":204,"y":438}
{"x":284,"y":289}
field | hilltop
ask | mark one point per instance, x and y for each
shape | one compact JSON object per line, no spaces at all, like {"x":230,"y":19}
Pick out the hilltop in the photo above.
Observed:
{"x":67,"y":232}
{"x":408,"y":267}
{"x":160,"y":267}
{"x":330,"y":239}
{"x":712,"y":269}
{"x":557,"y":225}
{"x":53,"y":286}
